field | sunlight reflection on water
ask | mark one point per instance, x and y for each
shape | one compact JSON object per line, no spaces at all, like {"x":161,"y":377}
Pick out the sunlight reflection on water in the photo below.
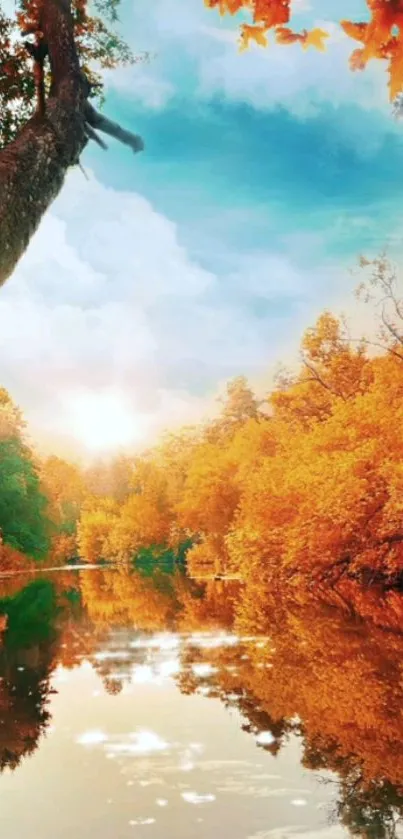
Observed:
{"x":163,"y":732}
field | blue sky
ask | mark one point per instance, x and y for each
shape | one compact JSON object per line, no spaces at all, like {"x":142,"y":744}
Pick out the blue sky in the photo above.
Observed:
{"x":265,"y":174}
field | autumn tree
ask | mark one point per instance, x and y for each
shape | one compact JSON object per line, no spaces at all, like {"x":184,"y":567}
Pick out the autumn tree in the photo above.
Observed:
{"x":136,"y":515}
{"x":333,"y":369}
{"x":239,"y":404}
{"x":145,"y":517}
{"x":48,"y":50}
{"x":63,"y":484}
{"x":300,"y":492}
{"x":380,"y":286}
{"x":321,"y":675}
{"x":111,"y":479}
{"x":96,"y":523}
{"x":207,"y":505}
{"x":124,"y":598}
{"x":323,"y":502}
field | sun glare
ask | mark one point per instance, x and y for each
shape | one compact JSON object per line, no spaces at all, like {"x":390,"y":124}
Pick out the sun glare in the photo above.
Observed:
{"x":103,"y":422}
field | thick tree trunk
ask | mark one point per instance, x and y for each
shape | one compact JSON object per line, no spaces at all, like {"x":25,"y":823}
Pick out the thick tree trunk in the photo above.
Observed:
{"x":34,"y":165}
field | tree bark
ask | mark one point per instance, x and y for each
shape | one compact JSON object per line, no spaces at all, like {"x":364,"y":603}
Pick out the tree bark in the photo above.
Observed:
{"x":34,"y":165}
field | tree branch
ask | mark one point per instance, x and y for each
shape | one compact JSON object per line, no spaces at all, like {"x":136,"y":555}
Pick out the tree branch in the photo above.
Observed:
{"x":318,"y":378}
{"x":92,"y":135}
{"x":391,"y":329}
{"x":33,"y":166}
{"x":102,"y":123}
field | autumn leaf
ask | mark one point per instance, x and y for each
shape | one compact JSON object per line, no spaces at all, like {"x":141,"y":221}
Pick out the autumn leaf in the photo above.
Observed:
{"x":381,"y":36}
{"x":284,"y":35}
{"x":396,"y":74}
{"x":315,"y":38}
{"x":252,"y":33}
{"x":358,"y":31}
{"x":271,"y":14}
{"x":357,"y":60}
{"x":225,"y":6}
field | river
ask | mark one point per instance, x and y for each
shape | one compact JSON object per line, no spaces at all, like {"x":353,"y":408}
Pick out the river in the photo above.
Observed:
{"x":134,"y":706}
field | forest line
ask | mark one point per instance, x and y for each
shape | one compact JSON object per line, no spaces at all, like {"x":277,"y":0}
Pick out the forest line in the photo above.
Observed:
{"x":302,"y":489}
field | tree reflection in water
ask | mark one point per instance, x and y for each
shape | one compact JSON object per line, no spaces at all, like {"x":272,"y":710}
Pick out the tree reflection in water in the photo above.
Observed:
{"x":309,"y":671}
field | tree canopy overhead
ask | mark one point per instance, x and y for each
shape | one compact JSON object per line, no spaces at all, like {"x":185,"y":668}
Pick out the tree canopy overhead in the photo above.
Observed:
{"x":23,"y":53}
{"x":50,"y":52}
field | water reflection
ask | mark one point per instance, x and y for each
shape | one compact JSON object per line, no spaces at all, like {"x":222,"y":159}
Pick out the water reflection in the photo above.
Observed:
{"x":185,"y":716}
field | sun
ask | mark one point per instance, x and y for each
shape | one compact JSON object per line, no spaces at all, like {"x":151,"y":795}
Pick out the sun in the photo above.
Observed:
{"x":103,"y":421}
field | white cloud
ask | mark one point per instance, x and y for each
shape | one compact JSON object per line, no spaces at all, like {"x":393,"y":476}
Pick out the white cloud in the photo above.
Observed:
{"x":298,"y":80}
{"x":107,"y":310}
{"x":106,"y":299}
{"x":197,"y":798}
{"x":74,"y":315}
{"x":269,"y":275}
{"x":92,"y":738}
{"x":288,"y":76}
{"x":138,"y":743}
{"x":141,"y":84}
{"x":108,"y":321}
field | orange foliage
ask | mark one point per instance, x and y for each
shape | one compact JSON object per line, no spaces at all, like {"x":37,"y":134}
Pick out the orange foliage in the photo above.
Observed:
{"x":302,"y":491}
{"x":122,"y":598}
{"x":341,"y":679}
{"x":381,"y":37}
{"x":307,"y":493}
{"x":94,"y":530}
{"x":12,"y":560}
{"x":63,"y":484}
{"x":110,"y":530}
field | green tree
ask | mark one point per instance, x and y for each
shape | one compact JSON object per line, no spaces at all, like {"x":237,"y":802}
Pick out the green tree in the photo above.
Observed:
{"x":23,"y":523}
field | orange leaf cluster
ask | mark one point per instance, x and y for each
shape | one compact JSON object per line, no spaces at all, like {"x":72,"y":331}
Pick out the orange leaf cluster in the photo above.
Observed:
{"x":268,"y":12}
{"x":381,"y":37}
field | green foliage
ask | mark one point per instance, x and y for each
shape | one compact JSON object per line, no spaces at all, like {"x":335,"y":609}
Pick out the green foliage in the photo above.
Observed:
{"x":31,"y":614}
{"x":23,"y":523}
{"x":149,"y":560}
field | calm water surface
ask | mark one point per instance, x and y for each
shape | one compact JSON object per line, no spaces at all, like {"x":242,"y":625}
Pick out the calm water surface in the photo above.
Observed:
{"x":131,"y":707}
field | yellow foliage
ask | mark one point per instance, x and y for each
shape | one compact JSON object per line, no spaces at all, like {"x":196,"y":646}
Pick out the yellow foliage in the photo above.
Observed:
{"x":315,"y":38}
{"x":309,"y":491}
{"x":11,"y":422}
{"x":122,"y":598}
{"x":252,"y":33}
{"x":94,"y":530}
{"x":303,"y":492}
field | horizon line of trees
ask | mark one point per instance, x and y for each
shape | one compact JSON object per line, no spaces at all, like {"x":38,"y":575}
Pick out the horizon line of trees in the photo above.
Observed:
{"x":304,"y":488}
